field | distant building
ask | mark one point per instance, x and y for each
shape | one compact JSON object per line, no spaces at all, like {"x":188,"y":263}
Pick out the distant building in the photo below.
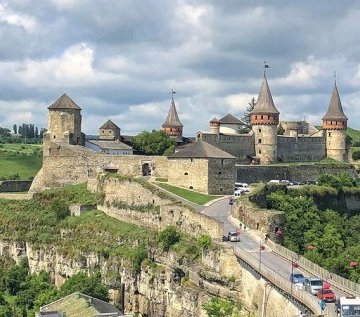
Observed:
{"x":108,"y":141}
{"x":78,"y":304}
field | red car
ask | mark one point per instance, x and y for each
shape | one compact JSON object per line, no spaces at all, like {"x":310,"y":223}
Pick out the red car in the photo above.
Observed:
{"x":327,"y":295}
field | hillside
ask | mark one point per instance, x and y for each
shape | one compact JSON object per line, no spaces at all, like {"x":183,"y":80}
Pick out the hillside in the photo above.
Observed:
{"x":355,"y":136}
{"x":20,"y":161}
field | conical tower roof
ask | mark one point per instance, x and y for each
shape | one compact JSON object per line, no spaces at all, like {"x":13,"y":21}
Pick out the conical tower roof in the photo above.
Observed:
{"x":335,"y":110}
{"x":172,"y":119}
{"x":64,"y":102}
{"x":264,"y":103}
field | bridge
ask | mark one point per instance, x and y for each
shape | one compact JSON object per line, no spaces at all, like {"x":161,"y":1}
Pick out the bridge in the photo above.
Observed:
{"x":273,"y":263}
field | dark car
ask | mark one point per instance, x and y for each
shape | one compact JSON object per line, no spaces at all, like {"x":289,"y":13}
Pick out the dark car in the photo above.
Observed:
{"x":296,"y":278}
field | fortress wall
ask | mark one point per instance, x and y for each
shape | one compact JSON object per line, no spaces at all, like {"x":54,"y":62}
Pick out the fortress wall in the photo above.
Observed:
{"x":70,"y":164}
{"x":189,"y":173}
{"x":221,"y":176}
{"x":240,"y":146}
{"x":302,"y":148}
{"x":170,"y":213}
{"x":303,"y":172}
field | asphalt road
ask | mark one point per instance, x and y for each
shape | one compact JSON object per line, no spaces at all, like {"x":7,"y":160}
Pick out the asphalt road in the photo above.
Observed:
{"x":251,"y":243}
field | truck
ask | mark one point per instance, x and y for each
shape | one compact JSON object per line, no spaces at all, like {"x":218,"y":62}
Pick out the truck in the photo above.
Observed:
{"x":348,"y":306}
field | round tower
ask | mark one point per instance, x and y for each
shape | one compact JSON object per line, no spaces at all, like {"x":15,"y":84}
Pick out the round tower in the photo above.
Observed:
{"x":214,"y":126}
{"x":64,"y":122}
{"x":264,"y":119}
{"x":334,"y":126}
{"x":172,"y":124}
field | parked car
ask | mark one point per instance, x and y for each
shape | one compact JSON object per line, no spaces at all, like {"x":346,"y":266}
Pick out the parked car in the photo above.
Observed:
{"x":297,"y":278}
{"x":238,"y":193}
{"x":233,"y":236}
{"x":313,"y":284}
{"x":286,"y":182}
{"x":297,"y":183}
{"x":243,"y":186}
{"x":327,"y":295}
{"x":274,"y":181}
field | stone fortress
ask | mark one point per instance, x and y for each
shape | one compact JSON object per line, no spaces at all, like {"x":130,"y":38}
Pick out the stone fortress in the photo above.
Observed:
{"x":263,"y":145}
{"x":207,"y":165}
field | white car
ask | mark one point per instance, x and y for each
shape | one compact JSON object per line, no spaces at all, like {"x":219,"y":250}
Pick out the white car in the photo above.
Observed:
{"x":242,"y":186}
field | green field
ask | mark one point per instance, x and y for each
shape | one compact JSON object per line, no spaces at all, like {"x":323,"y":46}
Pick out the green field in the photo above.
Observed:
{"x":24,"y":160}
{"x":190,"y":195}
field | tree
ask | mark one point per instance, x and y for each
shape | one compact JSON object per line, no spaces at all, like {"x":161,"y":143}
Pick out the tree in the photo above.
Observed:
{"x":356,"y":155}
{"x":36,"y":133}
{"x":15,"y":128}
{"x":168,"y":237}
{"x":156,"y":142}
{"x":280,"y":130}
{"x":247,"y":115}
{"x":217,"y":307}
{"x":5,"y":132}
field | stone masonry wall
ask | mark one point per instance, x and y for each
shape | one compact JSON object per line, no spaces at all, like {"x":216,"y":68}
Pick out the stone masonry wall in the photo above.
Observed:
{"x":169,"y":213}
{"x":221,"y":176}
{"x":69,"y":164}
{"x":189,"y":173}
{"x":303,"y":172}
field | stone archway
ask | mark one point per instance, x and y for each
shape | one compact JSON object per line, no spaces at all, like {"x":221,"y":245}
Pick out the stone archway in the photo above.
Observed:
{"x":146,"y":169}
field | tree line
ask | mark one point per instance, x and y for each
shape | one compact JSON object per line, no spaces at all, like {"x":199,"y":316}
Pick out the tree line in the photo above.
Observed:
{"x":24,"y":133}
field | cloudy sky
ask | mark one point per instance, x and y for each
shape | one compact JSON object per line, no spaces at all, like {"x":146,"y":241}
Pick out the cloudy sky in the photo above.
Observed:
{"x":118,"y":59}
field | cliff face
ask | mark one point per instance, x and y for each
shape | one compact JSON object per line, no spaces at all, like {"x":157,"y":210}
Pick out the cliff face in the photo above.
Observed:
{"x":167,"y":286}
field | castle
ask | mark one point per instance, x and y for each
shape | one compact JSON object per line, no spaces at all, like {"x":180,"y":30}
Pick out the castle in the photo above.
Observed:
{"x":263,"y":145}
{"x":207,"y":165}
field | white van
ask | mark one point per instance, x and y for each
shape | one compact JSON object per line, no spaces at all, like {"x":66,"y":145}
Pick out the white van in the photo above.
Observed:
{"x":242,"y":186}
{"x":238,"y":192}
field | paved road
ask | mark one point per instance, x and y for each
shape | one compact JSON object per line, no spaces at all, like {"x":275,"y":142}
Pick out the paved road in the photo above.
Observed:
{"x":251,"y":243}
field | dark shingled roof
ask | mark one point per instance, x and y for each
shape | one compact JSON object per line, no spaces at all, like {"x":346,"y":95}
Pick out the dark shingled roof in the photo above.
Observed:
{"x":64,"y":102}
{"x":335,"y":110}
{"x":109,"y":125}
{"x":110,"y":145}
{"x":229,"y":118}
{"x":265,"y":103}
{"x":201,"y":149}
{"x":172,"y":119}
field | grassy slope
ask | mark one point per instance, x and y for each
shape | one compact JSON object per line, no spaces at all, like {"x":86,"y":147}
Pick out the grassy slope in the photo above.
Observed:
{"x":192,"y":196}
{"x":22,"y":159}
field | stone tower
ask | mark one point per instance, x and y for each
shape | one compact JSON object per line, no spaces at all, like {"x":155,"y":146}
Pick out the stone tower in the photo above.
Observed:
{"x":109,"y":131}
{"x":172,"y":124}
{"x":334,"y":125}
{"x":64,"y":122}
{"x":264,"y":119}
{"x":214,"y":126}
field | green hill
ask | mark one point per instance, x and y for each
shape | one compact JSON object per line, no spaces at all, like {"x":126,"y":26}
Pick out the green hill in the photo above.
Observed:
{"x":354,"y":135}
{"x":20,"y":161}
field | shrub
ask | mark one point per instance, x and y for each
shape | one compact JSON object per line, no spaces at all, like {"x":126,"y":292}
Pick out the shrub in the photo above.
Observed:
{"x":356,"y":155}
{"x":168,"y":237}
{"x":204,"y":241}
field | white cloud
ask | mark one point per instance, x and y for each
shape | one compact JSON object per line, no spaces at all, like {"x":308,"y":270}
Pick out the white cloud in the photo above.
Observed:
{"x":27,"y":22}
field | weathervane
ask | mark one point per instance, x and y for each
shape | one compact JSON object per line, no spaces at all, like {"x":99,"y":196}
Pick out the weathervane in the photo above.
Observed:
{"x":335,"y":76}
{"x":172,"y":92}
{"x":265,"y":66}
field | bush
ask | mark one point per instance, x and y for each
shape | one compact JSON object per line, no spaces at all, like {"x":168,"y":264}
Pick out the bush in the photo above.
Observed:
{"x":204,"y":241}
{"x":356,"y":155}
{"x":168,"y":237}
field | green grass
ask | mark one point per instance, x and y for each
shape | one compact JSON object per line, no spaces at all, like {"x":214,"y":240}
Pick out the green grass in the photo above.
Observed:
{"x":192,"y":196}
{"x":22,"y":159}
{"x":161,"y":179}
{"x":354,"y":135}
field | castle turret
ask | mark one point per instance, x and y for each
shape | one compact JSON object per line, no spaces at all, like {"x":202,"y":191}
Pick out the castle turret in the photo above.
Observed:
{"x":214,"y":126}
{"x":264,"y":119}
{"x":172,"y":124}
{"x":64,"y":122}
{"x":109,"y":131}
{"x":335,"y":124}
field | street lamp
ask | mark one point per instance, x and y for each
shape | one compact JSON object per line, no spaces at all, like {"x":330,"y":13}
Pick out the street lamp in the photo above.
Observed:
{"x":293,"y":265}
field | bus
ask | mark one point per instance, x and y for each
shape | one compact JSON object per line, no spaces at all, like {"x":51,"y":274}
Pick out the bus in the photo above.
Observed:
{"x":348,"y":307}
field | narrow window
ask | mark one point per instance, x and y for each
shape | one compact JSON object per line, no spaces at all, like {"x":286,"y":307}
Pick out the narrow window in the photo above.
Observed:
{"x":268,"y":117}
{"x":255,"y":117}
{"x":259,"y":130}
{"x":219,"y":173}
{"x":259,"y":151}
{"x":262,"y":117}
{"x":259,"y":141}
{"x":190,"y":187}
{"x":329,"y":134}
{"x":186,"y":173}
{"x":222,"y":162}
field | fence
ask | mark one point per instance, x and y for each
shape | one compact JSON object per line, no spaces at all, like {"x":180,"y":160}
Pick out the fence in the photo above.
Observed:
{"x":336,"y":280}
{"x":303,"y":297}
